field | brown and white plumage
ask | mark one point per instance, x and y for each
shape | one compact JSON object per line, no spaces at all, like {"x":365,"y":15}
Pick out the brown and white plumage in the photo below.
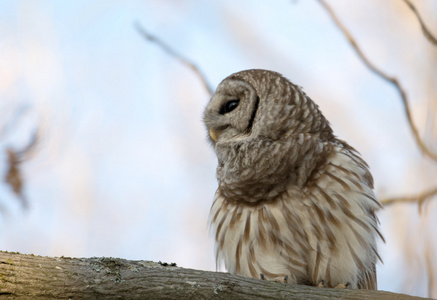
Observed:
{"x":293,"y":200}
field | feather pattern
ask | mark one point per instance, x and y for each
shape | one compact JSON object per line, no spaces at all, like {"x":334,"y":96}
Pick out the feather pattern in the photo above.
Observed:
{"x":293,"y":200}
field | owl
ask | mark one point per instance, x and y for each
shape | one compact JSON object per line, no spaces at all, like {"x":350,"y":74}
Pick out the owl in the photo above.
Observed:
{"x":294,"y":203}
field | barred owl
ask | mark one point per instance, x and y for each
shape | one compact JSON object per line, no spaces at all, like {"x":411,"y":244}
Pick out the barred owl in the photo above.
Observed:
{"x":294,"y":203}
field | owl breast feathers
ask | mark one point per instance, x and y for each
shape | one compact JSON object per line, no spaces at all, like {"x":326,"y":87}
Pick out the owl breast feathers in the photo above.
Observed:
{"x":293,"y":202}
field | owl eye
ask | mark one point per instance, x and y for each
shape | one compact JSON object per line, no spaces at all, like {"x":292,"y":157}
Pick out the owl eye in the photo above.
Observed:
{"x":229,"y":106}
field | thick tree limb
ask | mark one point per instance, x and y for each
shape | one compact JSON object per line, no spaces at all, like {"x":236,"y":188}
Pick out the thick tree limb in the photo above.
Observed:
{"x":37,"y":277}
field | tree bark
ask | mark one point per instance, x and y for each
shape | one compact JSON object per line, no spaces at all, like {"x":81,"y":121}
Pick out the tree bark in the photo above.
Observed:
{"x":38,"y":277}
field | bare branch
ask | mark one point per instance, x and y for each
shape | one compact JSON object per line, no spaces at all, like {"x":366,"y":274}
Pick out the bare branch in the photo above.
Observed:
{"x":431,"y":282}
{"x":425,"y":29}
{"x":420,"y":199}
{"x":384,"y":76}
{"x":13,"y":176}
{"x":14,"y":120}
{"x":173,"y":53}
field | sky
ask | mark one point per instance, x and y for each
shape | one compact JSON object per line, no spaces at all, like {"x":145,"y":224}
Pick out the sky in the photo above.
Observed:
{"x":123,"y":167}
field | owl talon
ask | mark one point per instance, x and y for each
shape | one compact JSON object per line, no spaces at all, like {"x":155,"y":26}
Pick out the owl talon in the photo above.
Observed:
{"x":343,"y":285}
{"x":261,"y":276}
{"x":283,"y":280}
{"x":322,"y":284}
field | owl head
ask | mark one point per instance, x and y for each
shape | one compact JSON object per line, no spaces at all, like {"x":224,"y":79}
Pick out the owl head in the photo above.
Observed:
{"x":262,"y":128}
{"x":255,"y":103}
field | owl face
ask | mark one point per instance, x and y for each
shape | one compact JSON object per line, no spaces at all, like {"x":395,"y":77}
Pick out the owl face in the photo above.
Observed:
{"x":260,"y":104}
{"x":231,"y":111}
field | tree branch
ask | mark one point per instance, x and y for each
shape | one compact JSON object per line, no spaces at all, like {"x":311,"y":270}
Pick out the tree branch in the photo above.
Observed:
{"x":420,"y":199}
{"x":37,"y":277}
{"x":172,"y":52}
{"x":384,"y":76}
{"x":426,"y":32}
{"x":429,"y":268}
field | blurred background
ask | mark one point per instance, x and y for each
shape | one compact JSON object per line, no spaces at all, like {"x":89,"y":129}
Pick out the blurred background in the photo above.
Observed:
{"x":102,"y":147}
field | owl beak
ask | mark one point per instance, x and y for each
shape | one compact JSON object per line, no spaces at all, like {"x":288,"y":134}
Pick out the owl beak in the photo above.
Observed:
{"x":213,"y":134}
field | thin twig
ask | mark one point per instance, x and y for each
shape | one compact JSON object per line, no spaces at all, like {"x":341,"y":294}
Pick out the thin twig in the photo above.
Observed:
{"x":420,"y":199}
{"x":430,"y":271}
{"x":176,"y":55}
{"x":14,"y":120}
{"x":425,"y":29}
{"x":383,"y":75}
{"x":14,"y":175}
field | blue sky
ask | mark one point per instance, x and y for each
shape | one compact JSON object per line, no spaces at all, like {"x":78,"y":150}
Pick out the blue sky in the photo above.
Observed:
{"x":123,"y":167}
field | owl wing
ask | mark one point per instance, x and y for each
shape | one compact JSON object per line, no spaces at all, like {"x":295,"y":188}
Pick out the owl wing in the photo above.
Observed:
{"x":368,"y":281}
